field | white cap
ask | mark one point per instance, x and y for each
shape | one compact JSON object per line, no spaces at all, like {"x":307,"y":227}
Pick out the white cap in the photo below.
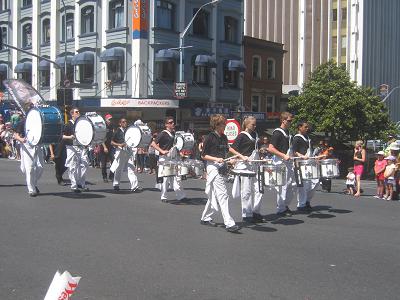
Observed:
{"x":381,"y":153}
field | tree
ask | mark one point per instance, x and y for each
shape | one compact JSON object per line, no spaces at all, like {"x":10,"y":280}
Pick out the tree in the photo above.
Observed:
{"x":334,"y":104}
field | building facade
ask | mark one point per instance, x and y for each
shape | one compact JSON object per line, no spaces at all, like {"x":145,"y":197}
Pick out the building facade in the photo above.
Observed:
{"x":123,"y":56}
{"x":360,"y":34}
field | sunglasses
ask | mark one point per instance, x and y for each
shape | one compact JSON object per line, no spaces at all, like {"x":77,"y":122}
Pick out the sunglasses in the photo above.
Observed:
{"x":170,"y":122}
{"x":289,"y":120}
{"x":77,"y":111}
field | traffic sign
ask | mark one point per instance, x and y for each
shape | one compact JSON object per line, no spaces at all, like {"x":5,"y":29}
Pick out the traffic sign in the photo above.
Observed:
{"x":180,"y":90}
{"x":232,"y":130}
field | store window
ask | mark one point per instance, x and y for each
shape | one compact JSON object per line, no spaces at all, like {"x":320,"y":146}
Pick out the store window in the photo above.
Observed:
{"x":200,"y":23}
{"x":230,"y":78}
{"x":27,"y":35}
{"x":256,"y":67}
{"x":231,"y":29}
{"x":270,"y":69}
{"x":165,"y":15}
{"x":166,"y":70}
{"x":255,"y":103}
{"x":70,"y":27}
{"x":46,"y":31}
{"x":116,"y":18}
{"x":87,"y":19}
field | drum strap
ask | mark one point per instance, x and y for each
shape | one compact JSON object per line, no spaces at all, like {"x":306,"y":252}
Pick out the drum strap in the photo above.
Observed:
{"x":286,"y":136}
{"x":255,"y":140}
{"x":169,"y":133}
{"x":307,"y":140}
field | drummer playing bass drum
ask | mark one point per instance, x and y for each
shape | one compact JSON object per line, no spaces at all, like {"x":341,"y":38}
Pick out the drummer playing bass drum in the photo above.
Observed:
{"x":164,"y":143}
{"x":301,"y":147}
{"x":77,"y":160}
{"x":246,"y":148}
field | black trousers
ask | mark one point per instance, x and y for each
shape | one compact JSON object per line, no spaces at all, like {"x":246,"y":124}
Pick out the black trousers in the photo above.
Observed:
{"x":104,"y":158}
{"x":326,"y":184}
{"x":59,"y":165}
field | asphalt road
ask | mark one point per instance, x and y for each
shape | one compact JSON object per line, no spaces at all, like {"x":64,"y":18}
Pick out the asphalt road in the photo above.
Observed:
{"x":133,"y":246}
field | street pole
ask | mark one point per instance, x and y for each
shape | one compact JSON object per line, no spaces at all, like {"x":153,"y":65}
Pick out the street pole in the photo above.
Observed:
{"x":65,"y":61}
{"x":182,"y":36}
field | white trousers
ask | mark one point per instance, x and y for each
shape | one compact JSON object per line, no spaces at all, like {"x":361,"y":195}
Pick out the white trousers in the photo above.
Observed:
{"x":32,"y":162}
{"x":125,"y":159}
{"x":176,"y":183}
{"x":77,"y":163}
{"x":250,"y":196}
{"x":284,"y":194}
{"x":306,"y":192}
{"x":217,"y":196}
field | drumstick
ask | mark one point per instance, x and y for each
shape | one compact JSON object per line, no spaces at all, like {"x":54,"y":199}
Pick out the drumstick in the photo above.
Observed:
{"x":260,"y":160}
{"x":232,"y":157}
{"x":312,"y":157}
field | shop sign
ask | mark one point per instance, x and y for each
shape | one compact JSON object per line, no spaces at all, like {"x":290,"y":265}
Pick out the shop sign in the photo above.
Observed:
{"x":274,"y":115}
{"x":260,"y":116}
{"x":154,"y":103}
{"x":208,"y":111}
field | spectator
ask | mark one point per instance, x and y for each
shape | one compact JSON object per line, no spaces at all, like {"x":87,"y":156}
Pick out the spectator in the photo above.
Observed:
{"x":140,"y":155}
{"x":350,"y":181}
{"x":389,"y":177}
{"x":152,"y":158}
{"x":264,"y":154}
{"x":379,"y":169}
{"x":359,"y":160}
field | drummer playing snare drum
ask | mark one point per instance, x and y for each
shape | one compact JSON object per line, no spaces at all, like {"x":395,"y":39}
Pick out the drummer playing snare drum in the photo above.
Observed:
{"x":301,"y":148}
{"x":164,"y":143}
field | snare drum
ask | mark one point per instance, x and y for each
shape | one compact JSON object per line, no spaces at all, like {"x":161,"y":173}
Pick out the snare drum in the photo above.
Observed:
{"x":184,"y":141}
{"x":309,"y":169}
{"x":167,"y":168}
{"x":43,"y":125}
{"x":138,"y":136}
{"x":198,"y":167}
{"x":274,"y":175}
{"x":90,"y":129}
{"x":329,"y":168}
{"x":244,"y":173}
{"x":183,"y":169}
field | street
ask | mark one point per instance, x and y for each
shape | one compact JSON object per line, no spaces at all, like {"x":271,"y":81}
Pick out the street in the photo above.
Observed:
{"x":133,"y":246}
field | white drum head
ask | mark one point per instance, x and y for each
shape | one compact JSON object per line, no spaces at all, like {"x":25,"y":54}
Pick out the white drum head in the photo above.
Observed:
{"x":33,"y":127}
{"x":179,"y":143}
{"x":83,"y":131}
{"x":133,"y":135}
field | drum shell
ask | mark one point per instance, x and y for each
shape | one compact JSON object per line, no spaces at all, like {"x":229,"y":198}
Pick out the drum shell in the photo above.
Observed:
{"x":183,"y":169}
{"x":329,"y":168}
{"x":274,"y":175}
{"x":309,"y":169}
{"x":51,"y":122}
{"x":99,"y":127}
{"x":167,"y":170}
{"x":142,"y":141}
{"x":184,"y":141}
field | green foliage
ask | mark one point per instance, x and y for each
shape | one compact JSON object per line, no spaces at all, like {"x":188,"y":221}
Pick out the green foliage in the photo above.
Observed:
{"x":334,"y":104}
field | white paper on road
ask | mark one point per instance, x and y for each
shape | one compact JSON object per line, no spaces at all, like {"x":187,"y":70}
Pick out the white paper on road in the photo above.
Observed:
{"x":62,"y":286}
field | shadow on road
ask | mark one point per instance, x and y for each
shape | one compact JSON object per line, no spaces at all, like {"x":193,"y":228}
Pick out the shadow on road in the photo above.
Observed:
{"x":320,"y":216}
{"x":72,"y":195}
{"x":11,"y":185}
{"x":289,"y":221}
{"x":189,"y":201}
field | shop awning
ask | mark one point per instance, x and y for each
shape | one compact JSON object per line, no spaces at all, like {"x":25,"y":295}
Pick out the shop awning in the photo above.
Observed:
{"x":84,"y":58}
{"x":25,"y":67}
{"x":112,"y":54}
{"x":61,"y":60}
{"x":44,"y":65}
{"x":167,"y":55}
{"x":205,"y":61}
{"x":236,"y":65}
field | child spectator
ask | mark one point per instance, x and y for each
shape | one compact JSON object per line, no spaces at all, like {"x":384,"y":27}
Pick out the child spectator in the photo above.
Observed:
{"x":350,"y":181}
{"x":389,"y":177}
{"x":379,"y":169}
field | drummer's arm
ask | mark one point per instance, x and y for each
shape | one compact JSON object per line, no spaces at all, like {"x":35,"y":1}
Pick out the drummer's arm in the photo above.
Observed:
{"x":118,"y":145}
{"x":68,"y":137}
{"x":105,"y":149}
{"x":298,"y":154}
{"x":234,"y":152}
{"x":274,"y":151}
{"x":212,"y":158}
{"x":155,"y":146}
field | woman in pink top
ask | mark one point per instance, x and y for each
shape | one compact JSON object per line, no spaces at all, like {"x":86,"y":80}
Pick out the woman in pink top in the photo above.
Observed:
{"x":359,"y":160}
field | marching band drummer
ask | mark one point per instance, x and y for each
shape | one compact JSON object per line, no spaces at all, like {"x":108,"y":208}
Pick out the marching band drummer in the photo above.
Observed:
{"x":123,"y":157}
{"x":246,"y":148}
{"x":301,"y":148}
{"x":280,"y":148}
{"x":77,"y":160}
{"x":164,"y":143}
{"x":214,"y":151}
{"x":32,"y":160}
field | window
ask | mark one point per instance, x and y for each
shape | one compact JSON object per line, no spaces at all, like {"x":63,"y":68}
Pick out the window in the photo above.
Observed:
{"x":26,"y":76}
{"x":256,"y":67}
{"x":87,"y":19}
{"x":344,"y":13}
{"x":166,"y":70}
{"x":231,"y":29}
{"x":165,"y":15}
{"x":200,"y":23}
{"x":115,"y":70}
{"x":231,"y":78}
{"x":270,"y":68}
{"x":3,"y":5}
{"x":85,"y":73}
{"x":26,"y":36}
{"x":70,"y":73}
{"x":255,"y":103}
{"x":70,"y":27}
{"x":4,"y":36}
{"x":270,"y":103}
{"x":46,"y":31}
{"x":200,"y":73}
{"x":334,"y":14}
{"x":26,"y":3}
{"x":116,"y":14}
{"x":44,"y":77}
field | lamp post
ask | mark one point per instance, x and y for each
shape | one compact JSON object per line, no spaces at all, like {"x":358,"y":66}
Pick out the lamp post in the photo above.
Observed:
{"x":65,"y":60}
{"x":182,"y":36}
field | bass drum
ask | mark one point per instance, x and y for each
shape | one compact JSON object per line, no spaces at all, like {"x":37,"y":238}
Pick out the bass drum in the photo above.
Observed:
{"x":90,"y":129}
{"x":43,"y":125}
{"x":138,"y":136}
{"x":184,"y":141}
